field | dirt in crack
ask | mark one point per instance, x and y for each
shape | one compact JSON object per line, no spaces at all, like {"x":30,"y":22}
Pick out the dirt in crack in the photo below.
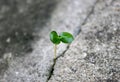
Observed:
{"x":52,"y":67}
{"x":51,"y":70}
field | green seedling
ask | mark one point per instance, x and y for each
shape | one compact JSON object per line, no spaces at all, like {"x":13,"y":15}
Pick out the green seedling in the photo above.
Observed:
{"x":64,"y":37}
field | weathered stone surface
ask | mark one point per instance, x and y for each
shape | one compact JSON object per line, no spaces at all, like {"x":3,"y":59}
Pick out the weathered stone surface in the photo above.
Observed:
{"x":20,"y":22}
{"x":35,"y":67}
{"x":94,"y":56}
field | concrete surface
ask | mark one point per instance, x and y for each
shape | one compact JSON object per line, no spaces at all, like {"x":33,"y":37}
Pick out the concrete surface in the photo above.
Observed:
{"x":35,"y":66}
{"x":94,"y":56}
{"x":20,"y":23}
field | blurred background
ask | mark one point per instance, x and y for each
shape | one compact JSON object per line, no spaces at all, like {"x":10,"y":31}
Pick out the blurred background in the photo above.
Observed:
{"x":26,"y":53}
{"x":20,"y":21}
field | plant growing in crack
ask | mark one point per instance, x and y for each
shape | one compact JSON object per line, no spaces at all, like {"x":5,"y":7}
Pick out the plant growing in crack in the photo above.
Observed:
{"x":64,"y":37}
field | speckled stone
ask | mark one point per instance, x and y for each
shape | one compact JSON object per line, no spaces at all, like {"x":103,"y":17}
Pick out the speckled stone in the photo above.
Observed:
{"x":94,"y":56}
{"x":35,"y":66}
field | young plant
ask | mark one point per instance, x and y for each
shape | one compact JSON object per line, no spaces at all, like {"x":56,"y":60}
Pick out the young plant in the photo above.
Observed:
{"x":64,"y":37}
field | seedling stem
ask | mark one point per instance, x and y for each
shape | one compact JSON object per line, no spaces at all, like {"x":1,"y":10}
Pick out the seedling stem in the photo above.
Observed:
{"x":55,"y":51}
{"x":64,"y":37}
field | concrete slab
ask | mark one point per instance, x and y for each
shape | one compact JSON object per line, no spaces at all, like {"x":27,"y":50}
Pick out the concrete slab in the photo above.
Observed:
{"x":36,"y":66}
{"x":94,"y":56}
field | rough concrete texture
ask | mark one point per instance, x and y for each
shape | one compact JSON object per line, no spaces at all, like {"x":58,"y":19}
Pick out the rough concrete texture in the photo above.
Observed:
{"x":94,"y":56}
{"x":20,"y":22}
{"x":68,"y":15}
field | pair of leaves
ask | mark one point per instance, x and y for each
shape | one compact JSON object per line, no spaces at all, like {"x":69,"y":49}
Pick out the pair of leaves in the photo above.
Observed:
{"x":64,"y":37}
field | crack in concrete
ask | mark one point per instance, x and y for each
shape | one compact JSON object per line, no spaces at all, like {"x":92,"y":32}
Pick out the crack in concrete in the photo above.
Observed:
{"x":91,"y":12}
{"x":84,"y":22}
{"x":52,"y":67}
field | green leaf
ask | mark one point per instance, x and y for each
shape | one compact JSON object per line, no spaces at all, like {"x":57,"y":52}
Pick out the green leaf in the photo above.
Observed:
{"x":66,"y":37}
{"x":54,"y":37}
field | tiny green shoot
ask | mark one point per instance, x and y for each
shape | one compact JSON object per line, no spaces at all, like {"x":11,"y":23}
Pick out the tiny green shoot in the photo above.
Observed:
{"x":63,"y":37}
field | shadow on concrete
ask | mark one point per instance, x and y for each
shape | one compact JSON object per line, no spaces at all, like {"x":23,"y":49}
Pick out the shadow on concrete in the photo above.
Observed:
{"x":20,"y":20}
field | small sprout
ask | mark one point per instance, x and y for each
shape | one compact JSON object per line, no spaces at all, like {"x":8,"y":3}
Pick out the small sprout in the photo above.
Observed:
{"x":54,"y":37}
{"x":64,"y":37}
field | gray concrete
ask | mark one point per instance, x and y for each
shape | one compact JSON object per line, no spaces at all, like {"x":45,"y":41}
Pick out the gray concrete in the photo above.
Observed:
{"x":20,"y":23}
{"x":94,"y":56}
{"x":67,"y":15}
